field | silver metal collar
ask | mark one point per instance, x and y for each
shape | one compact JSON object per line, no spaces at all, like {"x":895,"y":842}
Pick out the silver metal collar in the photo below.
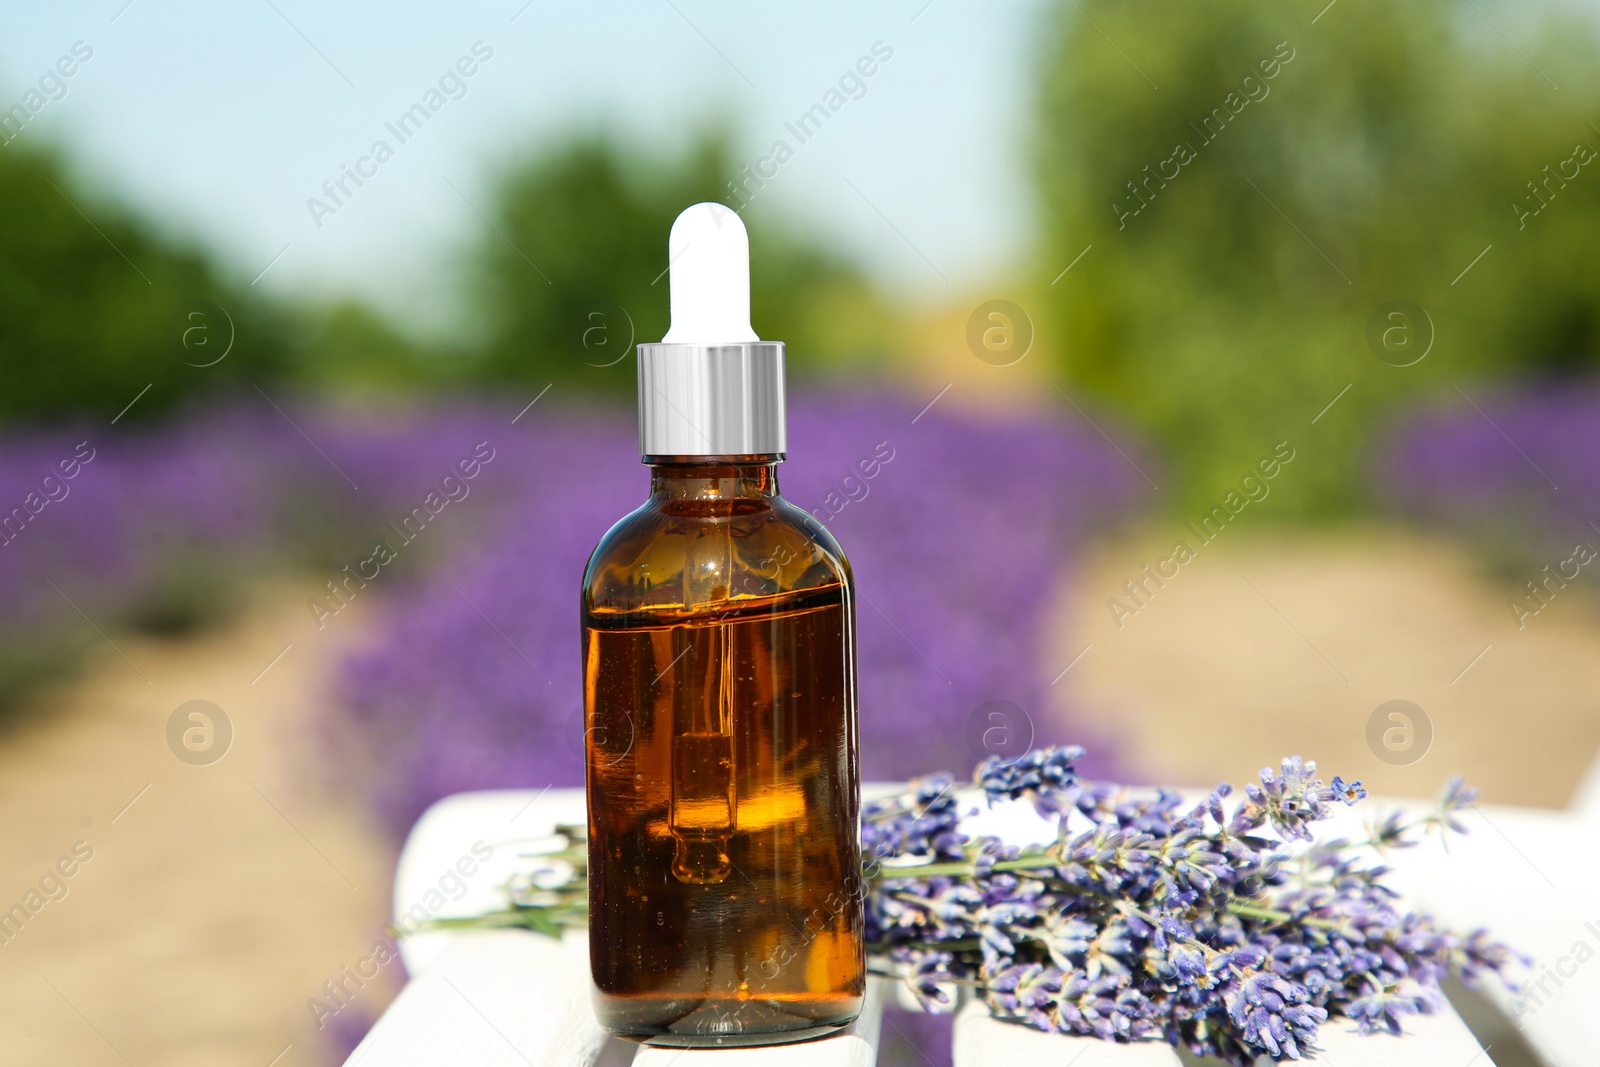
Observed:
{"x":712,"y":400}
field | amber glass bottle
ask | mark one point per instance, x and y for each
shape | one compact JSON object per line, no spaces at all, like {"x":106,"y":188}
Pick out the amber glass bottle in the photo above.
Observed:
{"x":719,"y":703}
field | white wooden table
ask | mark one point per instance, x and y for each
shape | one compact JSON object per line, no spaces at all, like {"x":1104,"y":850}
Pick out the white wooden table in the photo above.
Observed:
{"x":515,"y":999}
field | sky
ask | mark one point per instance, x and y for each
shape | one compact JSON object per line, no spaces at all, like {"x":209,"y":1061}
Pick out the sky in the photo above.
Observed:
{"x":222,"y":121}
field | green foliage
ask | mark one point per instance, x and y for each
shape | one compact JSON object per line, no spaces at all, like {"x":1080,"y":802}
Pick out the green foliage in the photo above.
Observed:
{"x":91,"y":312}
{"x":572,"y":271}
{"x":1224,"y":305}
{"x":349,"y":348}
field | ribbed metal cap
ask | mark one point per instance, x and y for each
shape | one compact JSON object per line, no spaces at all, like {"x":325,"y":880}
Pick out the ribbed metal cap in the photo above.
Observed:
{"x":712,"y":400}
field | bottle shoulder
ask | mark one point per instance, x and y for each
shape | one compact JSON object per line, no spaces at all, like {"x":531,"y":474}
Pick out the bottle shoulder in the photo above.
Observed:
{"x":685,"y":557}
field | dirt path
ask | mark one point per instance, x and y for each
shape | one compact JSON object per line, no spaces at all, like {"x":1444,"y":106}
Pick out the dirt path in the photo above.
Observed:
{"x":1276,"y":644}
{"x":218,"y":898}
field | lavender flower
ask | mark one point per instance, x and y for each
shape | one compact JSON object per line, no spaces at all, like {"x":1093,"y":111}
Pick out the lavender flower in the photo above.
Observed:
{"x":1349,"y":792}
{"x":1290,"y":801}
{"x":919,"y":822}
{"x":1457,"y":795}
{"x":1383,"y":1010}
{"x":1045,"y":775}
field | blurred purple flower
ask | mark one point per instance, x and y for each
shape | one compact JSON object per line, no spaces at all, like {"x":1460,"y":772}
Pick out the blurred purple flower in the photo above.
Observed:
{"x":160,"y":528}
{"x":1492,"y":466}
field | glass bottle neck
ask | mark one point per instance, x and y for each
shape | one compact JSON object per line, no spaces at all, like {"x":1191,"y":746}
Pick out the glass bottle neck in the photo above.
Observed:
{"x":714,"y":478}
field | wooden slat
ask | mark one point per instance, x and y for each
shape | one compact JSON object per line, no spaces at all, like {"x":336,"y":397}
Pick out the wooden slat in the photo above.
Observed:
{"x":1441,"y":1040}
{"x":981,"y":1041}
{"x":854,"y":1046}
{"x":491,"y":999}
{"x":442,"y":872}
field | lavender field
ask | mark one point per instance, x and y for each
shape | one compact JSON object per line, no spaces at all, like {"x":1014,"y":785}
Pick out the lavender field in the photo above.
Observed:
{"x":164,"y":530}
{"x":959,"y":543}
{"x":967,"y":532}
{"x":1515,"y":469}
{"x":467,"y":676}
{"x":469,"y":679}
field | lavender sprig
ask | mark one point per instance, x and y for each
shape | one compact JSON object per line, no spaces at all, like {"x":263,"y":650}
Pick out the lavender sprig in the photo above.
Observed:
{"x":1223,"y":927}
{"x":1155,"y":921}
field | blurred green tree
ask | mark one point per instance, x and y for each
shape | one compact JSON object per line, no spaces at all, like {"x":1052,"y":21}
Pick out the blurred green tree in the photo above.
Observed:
{"x":571,"y":271}
{"x":1301,"y":166}
{"x":350,"y":348}
{"x":95,"y":307}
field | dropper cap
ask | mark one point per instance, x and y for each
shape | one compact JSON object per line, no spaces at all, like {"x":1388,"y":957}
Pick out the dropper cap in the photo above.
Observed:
{"x":711,"y":387}
{"x":709,"y":269}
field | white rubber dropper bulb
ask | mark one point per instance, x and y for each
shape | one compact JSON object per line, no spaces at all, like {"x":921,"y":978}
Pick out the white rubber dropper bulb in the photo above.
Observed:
{"x":710,"y":277}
